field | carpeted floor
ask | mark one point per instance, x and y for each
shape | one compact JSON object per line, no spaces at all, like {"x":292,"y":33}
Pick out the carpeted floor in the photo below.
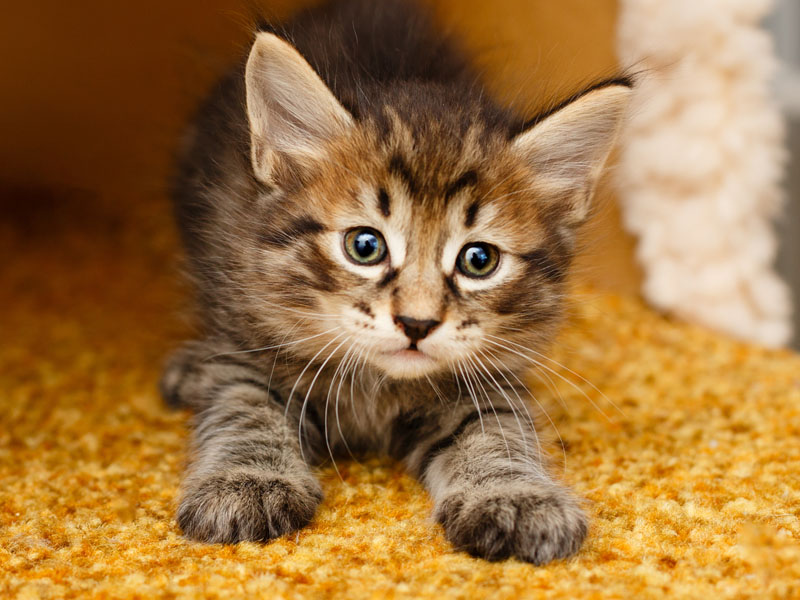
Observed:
{"x":693,"y":484}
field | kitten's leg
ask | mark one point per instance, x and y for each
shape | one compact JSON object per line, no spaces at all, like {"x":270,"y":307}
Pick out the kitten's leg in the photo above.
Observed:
{"x":247,"y":479}
{"x":491,"y":491}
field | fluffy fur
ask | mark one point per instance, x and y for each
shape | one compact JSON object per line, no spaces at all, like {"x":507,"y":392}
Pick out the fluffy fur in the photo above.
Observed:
{"x":700,"y":167}
{"x":357,"y":115}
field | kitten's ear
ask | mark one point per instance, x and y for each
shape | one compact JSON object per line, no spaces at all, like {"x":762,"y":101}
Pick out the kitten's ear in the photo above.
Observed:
{"x":568,"y":148}
{"x":291,"y":111}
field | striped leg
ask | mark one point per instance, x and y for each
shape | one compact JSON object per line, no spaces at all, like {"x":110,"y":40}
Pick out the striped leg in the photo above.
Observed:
{"x":492,"y":493}
{"x":247,"y":479}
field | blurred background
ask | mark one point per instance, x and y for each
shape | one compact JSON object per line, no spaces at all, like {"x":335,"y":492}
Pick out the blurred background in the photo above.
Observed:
{"x":785,"y":26}
{"x":94,"y":95}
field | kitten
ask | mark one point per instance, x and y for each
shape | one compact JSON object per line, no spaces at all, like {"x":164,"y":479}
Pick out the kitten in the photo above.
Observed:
{"x":377,"y":249}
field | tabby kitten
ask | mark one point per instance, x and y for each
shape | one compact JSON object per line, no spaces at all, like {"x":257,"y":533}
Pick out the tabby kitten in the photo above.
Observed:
{"x":377,"y":249}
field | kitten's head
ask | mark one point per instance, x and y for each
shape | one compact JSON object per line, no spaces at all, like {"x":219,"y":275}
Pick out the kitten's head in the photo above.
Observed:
{"x":421,"y":237}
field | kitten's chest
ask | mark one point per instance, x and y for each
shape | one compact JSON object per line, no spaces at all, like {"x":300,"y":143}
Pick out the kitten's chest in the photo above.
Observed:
{"x":353,"y":414}
{"x":359,"y":426}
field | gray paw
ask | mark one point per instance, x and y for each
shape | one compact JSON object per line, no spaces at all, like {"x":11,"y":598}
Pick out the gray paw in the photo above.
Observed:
{"x":246,"y":505}
{"x":178,"y":368}
{"x":533,"y":522}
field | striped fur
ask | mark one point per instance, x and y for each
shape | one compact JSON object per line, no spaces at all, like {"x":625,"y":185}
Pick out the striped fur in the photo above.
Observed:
{"x":307,"y":353}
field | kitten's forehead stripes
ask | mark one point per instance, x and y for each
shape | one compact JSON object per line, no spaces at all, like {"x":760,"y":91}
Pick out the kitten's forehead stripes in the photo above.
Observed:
{"x":384,"y":202}
{"x":467,"y":179}
{"x":472,"y":213}
{"x":399,"y":168}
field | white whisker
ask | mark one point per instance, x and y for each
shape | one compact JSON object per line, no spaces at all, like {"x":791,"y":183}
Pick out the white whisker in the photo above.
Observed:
{"x":509,"y":400}
{"x":473,"y":396}
{"x":325,"y":418}
{"x":292,"y":343}
{"x":491,"y":405}
{"x":348,"y":362}
{"x":568,"y":370}
{"x":356,"y":415}
{"x":436,"y":391}
{"x":541,"y":408}
{"x":543,"y":366}
{"x":294,"y":387}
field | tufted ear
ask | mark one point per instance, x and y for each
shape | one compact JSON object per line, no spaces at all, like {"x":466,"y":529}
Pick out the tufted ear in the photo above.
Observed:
{"x":290,"y":109}
{"x":568,"y":148}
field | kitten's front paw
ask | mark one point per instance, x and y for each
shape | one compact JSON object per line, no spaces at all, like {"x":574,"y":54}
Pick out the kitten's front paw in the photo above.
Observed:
{"x":247,"y":505}
{"x":536,"y":523}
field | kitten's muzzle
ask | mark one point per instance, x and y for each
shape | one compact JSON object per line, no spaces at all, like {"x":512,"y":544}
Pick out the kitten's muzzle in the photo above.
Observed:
{"x":416,"y":329}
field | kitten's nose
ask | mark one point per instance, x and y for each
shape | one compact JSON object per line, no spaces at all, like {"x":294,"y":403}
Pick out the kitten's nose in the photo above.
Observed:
{"x":416,"y":329}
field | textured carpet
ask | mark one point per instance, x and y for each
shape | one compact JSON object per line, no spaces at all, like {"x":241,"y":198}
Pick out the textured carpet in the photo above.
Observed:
{"x":693,"y":480}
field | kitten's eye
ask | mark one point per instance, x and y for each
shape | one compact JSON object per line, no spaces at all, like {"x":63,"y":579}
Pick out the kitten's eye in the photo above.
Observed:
{"x":478,"y":260}
{"x":364,"y":246}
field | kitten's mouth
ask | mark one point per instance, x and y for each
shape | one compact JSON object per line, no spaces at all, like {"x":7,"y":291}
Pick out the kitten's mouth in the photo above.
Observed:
{"x":412,"y":353}
{"x":408,"y":363}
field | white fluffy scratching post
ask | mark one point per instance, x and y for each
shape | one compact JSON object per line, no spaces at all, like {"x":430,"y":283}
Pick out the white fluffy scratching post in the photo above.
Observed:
{"x":701,"y":161}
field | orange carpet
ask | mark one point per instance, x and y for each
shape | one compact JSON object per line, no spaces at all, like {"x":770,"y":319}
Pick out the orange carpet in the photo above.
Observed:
{"x":693,"y":480}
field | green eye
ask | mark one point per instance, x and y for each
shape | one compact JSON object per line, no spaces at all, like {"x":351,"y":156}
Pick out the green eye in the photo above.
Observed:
{"x":364,"y":246}
{"x":478,"y":260}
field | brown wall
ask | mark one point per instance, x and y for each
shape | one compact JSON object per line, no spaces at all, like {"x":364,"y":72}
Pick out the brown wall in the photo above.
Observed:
{"x":93,"y":95}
